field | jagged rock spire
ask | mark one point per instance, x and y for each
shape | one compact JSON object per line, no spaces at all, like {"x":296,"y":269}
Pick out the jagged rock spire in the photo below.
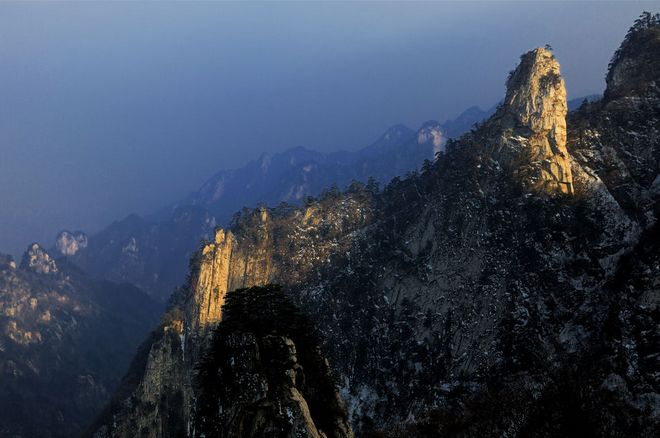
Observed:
{"x":36,"y":259}
{"x":532,"y":122}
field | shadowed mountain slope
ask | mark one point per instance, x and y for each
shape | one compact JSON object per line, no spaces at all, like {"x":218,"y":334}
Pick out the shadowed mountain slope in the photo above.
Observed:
{"x":65,"y":342}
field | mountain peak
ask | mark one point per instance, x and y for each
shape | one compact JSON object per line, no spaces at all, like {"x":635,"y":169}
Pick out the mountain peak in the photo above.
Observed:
{"x":36,"y":259}
{"x":394,"y":137}
{"x":536,"y":95}
{"x":532,"y":123}
{"x":635,"y":65}
{"x":68,"y":243}
{"x":397,"y":132}
{"x":431,"y":133}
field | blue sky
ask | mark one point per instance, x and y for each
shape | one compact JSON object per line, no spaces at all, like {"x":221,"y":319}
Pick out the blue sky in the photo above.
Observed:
{"x":112,"y":108}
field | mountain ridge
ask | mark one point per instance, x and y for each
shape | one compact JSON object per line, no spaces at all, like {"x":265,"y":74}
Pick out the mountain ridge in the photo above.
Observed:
{"x":152,"y":252}
{"x":469,"y":298}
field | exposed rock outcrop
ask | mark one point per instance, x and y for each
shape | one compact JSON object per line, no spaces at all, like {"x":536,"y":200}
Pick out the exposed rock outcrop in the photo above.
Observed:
{"x":532,"y":125}
{"x":155,"y":396}
{"x":261,"y":255}
{"x":69,"y":243}
{"x":37,"y":260}
{"x":211,"y":282}
{"x":431,"y":133}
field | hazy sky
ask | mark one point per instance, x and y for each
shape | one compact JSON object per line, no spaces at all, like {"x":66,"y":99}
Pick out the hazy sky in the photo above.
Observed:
{"x":113,"y":108}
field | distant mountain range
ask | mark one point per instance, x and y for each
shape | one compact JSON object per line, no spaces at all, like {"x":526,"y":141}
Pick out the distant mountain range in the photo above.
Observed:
{"x":291,"y":175}
{"x":152,"y":252}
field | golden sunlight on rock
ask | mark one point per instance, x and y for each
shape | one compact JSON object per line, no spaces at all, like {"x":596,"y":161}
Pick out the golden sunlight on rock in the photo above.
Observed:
{"x":533,"y":122}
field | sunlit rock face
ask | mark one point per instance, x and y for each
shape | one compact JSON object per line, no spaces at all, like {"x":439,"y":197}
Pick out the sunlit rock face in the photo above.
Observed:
{"x":223,"y":265}
{"x":69,"y":243}
{"x":532,"y":121}
{"x":37,"y":260}
{"x":211,"y":281}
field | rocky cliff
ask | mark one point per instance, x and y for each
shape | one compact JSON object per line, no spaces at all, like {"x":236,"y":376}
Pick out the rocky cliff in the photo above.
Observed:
{"x":509,"y":289}
{"x":37,"y":260}
{"x":288,"y":244}
{"x":531,"y":125}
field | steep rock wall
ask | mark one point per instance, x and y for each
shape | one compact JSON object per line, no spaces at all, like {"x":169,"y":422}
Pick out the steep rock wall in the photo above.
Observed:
{"x":532,"y":125}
